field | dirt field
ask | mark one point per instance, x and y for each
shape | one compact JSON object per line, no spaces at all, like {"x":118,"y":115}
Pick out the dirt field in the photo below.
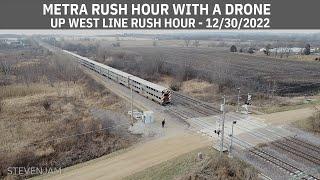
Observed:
{"x":214,"y":64}
{"x":237,"y":68}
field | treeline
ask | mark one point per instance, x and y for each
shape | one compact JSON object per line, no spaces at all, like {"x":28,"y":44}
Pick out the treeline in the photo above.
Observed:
{"x":35,"y":66}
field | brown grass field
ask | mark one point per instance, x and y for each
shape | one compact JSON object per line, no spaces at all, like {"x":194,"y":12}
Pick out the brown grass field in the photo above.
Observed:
{"x":54,"y":115}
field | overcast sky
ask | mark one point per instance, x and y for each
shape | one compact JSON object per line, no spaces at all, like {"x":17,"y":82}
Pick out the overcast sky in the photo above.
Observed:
{"x":108,"y":32}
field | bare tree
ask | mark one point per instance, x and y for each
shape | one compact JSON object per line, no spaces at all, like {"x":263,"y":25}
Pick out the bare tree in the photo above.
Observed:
{"x":187,"y":71}
{"x":187,"y":42}
{"x":1,"y":104}
{"x":315,"y":120}
{"x":306,"y":50}
{"x":196,"y":43}
{"x":6,"y":67}
{"x":267,"y":49}
{"x":154,"y":43}
{"x":159,"y":62}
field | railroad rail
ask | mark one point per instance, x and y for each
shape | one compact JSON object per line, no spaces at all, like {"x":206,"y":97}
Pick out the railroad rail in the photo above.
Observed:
{"x":286,"y":166}
{"x":304,"y":144}
{"x":185,"y":107}
{"x":295,"y":151}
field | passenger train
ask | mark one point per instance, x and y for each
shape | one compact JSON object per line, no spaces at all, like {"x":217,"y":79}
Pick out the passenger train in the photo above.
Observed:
{"x":148,"y":89}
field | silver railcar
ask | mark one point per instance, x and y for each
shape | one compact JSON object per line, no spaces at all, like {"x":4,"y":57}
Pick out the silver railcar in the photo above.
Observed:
{"x":152,"y":91}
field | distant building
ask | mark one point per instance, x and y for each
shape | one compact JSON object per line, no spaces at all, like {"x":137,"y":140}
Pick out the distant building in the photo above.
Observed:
{"x":15,"y":42}
{"x":293,"y":50}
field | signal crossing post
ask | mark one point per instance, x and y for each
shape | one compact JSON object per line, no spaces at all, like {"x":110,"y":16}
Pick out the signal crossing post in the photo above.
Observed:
{"x":249,"y":102}
{"x":231,"y":137}
{"x":131,"y":107}
{"x":131,"y":100}
{"x":222,"y":126}
{"x":238,"y":105}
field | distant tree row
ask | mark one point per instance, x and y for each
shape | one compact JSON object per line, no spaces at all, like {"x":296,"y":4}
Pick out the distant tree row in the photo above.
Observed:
{"x":233,"y":48}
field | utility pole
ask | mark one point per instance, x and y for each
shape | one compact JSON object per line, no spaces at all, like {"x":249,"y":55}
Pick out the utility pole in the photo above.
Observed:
{"x":231,"y":136}
{"x":238,"y":105}
{"x":131,"y":100}
{"x":273,"y":88}
{"x":222,"y":119}
{"x":249,"y":102}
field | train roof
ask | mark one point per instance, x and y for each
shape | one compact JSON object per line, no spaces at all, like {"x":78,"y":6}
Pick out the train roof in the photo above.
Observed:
{"x":124,"y":74}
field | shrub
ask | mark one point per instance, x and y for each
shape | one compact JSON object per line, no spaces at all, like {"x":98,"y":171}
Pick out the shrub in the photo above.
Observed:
{"x":1,"y":105}
{"x":233,"y":48}
{"x":175,"y":86}
{"x":250,"y":50}
{"x":46,"y":104}
{"x":315,"y":121}
{"x":19,"y":91}
{"x":92,"y":86}
{"x":306,"y":50}
{"x":223,"y":168}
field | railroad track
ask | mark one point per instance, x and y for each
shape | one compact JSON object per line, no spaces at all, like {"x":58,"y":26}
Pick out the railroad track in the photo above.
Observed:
{"x":193,"y":107}
{"x":304,"y":144}
{"x":284,"y":165}
{"x":180,"y":113}
{"x":289,"y":168}
{"x":296,"y":151}
{"x":276,"y":161}
{"x":299,"y":148}
{"x":292,"y":170}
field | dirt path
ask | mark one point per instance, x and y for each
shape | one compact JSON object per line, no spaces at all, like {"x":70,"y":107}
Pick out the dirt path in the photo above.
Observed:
{"x":286,"y":117}
{"x":138,"y":158}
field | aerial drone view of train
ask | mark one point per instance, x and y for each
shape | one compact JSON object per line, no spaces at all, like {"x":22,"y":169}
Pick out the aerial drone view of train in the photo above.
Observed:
{"x":152,"y":91}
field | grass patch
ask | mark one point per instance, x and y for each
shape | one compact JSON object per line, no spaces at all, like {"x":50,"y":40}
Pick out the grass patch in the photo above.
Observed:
{"x":20,"y":90}
{"x":311,"y":124}
{"x":87,"y":163}
{"x":188,"y":166}
{"x":173,"y":168}
{"x":287,"y":107}
{"x":305,"y":124}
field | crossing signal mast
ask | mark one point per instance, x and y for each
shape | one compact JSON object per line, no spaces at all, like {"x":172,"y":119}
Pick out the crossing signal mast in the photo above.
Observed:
{"x":248,"y":102}
{"x":238,"y":100}
{"x":249,"y":98}
{"x":231,"y":137}
{"x":221,"y":131}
